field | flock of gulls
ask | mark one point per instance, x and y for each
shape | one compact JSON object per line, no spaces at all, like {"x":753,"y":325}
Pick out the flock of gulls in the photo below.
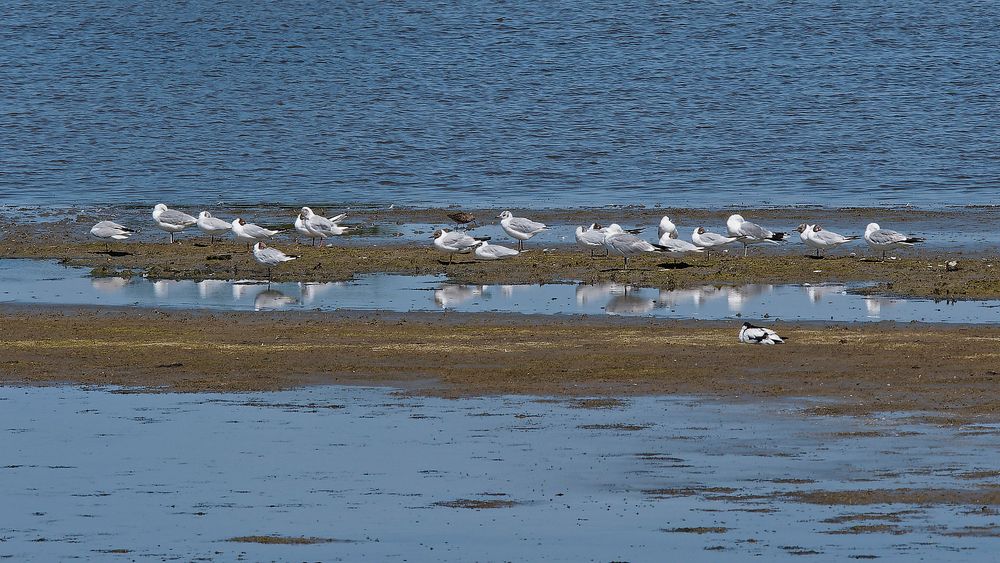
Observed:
{"x":612,"y":238}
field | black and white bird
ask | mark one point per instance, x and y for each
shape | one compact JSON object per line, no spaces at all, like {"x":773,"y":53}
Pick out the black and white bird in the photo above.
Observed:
{"x":212,"y":226}
{"x":750,"y":334}
{"x":110,"y":230}
{"x":487,"y":251}
{"x":170,"y":220}
{"x":885,"y":239}
{"x":751,"y":233}
{"x":250,"y":232}
{"x":269,"y":257}
{"x":519,"y":228}
{"x":704,"y":239}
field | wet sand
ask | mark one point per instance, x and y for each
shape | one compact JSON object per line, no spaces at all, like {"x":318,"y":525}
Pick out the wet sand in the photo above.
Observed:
{"x":945,"y":370}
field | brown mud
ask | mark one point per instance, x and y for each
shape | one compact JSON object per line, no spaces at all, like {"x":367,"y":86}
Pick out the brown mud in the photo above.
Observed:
{"x":861,"y":368}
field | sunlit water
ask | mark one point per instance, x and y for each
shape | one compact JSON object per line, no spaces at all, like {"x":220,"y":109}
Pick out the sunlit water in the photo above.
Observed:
{"x":23,"y":281}
{"x":169,"y":476}
{"x":531,"y":104}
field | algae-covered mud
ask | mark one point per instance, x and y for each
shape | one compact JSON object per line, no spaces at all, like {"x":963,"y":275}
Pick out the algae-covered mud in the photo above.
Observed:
{"x":863,"y":368}
{"x":332,"y":472}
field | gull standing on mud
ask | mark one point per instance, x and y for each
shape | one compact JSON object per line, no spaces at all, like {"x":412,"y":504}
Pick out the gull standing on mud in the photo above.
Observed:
{"x":487,"y":251}
{"x":211,"y":226}
{"x":269,"y":257}
{"x":885,"y":239}
{"x":676,"y":245}
{"x":823,"y":240}
{"x":110,"y":230}
{"x":519,"y":228}
{"x":321,"y":226}
{"x":667,"y":227}
{"x":249,"y":232}
{"x":708,"y":241}
{"x":300,"y":227}
{"x":590,"y":237}
{"x":750,"y":334}
{"x":454,"y":242}
{"x":751,"y":233}
{"x":624,"y":244}
{"x":171,"y":221}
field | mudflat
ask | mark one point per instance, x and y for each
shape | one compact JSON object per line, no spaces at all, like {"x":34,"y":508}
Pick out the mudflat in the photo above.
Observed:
{"x":948,"y":370}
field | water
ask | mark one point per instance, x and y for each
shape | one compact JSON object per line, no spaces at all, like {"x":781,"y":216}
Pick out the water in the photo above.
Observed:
{"x":88,"y":471}
{"x":523,"y":104}
{"x":45,"y":282}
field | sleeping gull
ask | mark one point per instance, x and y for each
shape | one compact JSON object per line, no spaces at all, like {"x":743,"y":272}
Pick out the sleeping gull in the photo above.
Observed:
{"x":212,"y":226}
{"x":822,"y":240}
{"x":708,"y":240}
{"x":676,"y":245}
{"x":269,"y":257}
{"x":249,"y":232}
{"x":171,"y":221}
{"x":751,"y":233}
{"x":454,"y":242}
{"x":750,"y":334}
{"x":519,"y":228}
{"x":322,"y":227}
{"x":624,"y":244}
{"x":885,"y":239}
{"x":110,"y":230}
{"x":590,"y":237}
{"x":667,"y":226}
{"x":487,"y":251}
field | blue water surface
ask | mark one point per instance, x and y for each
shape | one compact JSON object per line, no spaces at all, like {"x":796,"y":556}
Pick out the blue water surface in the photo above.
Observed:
{"x":529,"y":104}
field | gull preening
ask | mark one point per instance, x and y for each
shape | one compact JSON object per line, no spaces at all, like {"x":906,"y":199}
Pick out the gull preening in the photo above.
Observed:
{"x":707,"y":240}
{"x":751,"y":233}
{"x":750,"y":334}
{"x":885,"y":239}
{"x":170,"y":220}
{"x":454,"y":242}
{"x":667,"y":227}
{"x":300,"y":227}
{"x":487,"y":251}
{"x":823,"y":240}
{"x":212,"y":226}
{"x":590,"y":238}
{"x":269,"y":257}
{"x":249,"y":232}
{"x":110,"y":230}
{"x":519,"y":228}
{"x":625,"y":244}
{"x":321,"y":227}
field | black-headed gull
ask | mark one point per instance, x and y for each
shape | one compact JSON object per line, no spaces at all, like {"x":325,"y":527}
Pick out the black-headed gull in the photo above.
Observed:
{"x":750,"y":334}
{"x":212,"y":226}
{"x":625,"y":244}
{"x":885,"y":239}
{"x":590,"y":237}
{"x":666,"y":226}
{"x":751,"y":233}
{"x":170,"y":220}
{"x":322,"y":227}
{"x":708,"y":241}
{"x":249,"y":232}
{"x":110,"y":230}
{"x":519,"y":228}
{"x":454,"y":242}
{"x":677,"y":246}
{"x":269,"y":257}
{"x":823,"y":240}
{"x":487,"y":251}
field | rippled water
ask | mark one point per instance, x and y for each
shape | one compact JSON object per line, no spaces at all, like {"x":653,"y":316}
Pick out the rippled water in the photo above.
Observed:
{"x":534,"y":104}
{"x":173,"y":477}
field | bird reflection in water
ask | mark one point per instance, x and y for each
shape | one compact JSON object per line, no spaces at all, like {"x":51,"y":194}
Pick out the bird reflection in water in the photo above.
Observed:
{"x":451,"y":295}
{"x":630,"y":302}
{"x":272,"y":299}
{"x":108,"y":285}
{"x":818,"y":292}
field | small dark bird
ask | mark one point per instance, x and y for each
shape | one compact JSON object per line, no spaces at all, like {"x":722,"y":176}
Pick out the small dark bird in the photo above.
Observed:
{"x":462,"y":217}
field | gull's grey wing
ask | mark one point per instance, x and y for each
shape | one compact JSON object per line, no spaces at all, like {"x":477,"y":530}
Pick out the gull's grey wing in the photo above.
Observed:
{"x":523,"y":225}
{"x":678,"y":245}
{"x":754,"y":230}
{"x":629,"y":244}
{"x":177,"y":218}
{"x":458,"y":240}
{"x":830,"y":237}
{"x":716,"y":238}
{"x":214,"y":223}
{"x":886,"y":236}
{"x":257,"y":231}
